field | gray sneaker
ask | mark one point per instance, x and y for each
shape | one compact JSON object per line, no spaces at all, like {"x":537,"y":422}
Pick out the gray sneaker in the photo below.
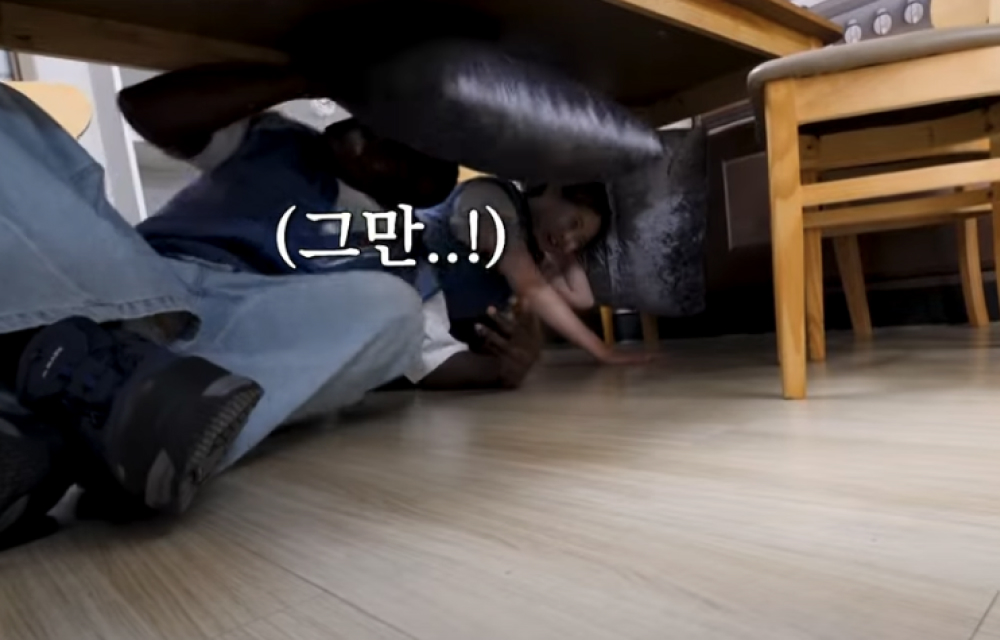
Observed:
{"x":161,"y":422}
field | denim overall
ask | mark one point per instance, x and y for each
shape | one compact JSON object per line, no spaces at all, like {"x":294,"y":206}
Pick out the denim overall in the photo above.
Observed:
{"x":469,"y":289}
{"x":231,"y":216}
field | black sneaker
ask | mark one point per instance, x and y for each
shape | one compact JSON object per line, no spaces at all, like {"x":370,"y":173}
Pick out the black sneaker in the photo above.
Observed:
{"x":34,"y":475}
{"x":161,"y":422}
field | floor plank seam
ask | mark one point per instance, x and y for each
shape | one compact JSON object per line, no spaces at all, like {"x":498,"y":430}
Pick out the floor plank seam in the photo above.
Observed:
{"x":402,"y":632}
{"x":975,"y":632}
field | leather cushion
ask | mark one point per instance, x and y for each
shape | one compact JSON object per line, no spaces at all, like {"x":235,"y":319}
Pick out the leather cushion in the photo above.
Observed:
{"x":652,"y":259}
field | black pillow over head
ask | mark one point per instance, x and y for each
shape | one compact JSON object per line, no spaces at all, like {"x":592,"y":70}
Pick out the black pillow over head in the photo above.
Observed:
{"x":471,"y":103}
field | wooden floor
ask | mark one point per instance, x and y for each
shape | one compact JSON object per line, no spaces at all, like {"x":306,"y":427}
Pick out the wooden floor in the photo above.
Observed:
{"x":680,"y":502}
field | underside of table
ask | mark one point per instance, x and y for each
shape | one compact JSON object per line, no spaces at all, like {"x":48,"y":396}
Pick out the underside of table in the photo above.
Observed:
{"x":667,"y":59}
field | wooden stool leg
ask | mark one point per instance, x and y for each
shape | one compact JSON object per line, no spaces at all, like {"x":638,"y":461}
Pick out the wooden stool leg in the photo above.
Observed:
{"x":994,"y":121}
{"x":650,"y":330}
{"x":852,"y":278}
{"x":971,"y":267}
{"x":996,"y":225}
{"x":815,"y":323}
{"x":787,"y":235}
{"x":608,"y":325}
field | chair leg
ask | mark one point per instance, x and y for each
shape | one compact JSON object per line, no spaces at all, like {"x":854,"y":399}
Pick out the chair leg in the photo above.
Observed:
{"x":815,"y":323}
{"x":650,"y":330}
{"x":787,"y":235}
{"x":608,"y":325}
{"x":971,"y":267}
{"x":852,"y":278}
{"x":994,"y":119}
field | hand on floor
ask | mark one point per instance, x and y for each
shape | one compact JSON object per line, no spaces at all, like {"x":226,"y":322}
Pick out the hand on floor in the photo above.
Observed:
{"x":616,"y":357}
{"x":516,"y":339}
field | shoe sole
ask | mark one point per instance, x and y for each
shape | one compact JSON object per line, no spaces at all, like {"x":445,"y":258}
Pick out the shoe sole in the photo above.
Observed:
{"x":213,"y":446}
{"x":172,"y":430}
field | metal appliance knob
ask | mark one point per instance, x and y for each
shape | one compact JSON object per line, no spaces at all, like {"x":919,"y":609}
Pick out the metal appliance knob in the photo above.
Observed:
{"x":913,"y":13}
{"x":853,"y":34}
{"x":883,"y":24}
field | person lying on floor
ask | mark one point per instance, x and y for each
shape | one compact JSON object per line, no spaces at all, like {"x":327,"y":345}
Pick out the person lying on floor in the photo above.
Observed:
{"x":545,"y":229}
{"x":102,"y":348}
{"x":338,"y":170}
{"x":136,"y":373}
{"x":227,"y":229}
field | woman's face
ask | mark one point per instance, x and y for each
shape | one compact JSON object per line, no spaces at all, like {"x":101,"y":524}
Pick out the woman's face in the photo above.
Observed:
{"x":561,"y":227}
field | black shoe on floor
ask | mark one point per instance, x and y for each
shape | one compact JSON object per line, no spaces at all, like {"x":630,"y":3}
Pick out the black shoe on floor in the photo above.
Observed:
{"x":161,"y":422}
{"x":34,"y":475}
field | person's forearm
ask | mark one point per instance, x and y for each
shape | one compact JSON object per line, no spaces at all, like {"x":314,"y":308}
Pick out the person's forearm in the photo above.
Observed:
{"x":555,"y":312}
{"x":179,"y":111}
{"x":464,"y":370}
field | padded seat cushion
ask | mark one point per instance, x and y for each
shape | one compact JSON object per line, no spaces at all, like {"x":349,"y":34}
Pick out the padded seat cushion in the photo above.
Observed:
{"x":652,"y":258}
{"x":841,"y":58}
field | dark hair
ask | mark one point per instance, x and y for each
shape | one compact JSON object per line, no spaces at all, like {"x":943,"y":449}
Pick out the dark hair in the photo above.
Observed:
{"x":592,"y":195}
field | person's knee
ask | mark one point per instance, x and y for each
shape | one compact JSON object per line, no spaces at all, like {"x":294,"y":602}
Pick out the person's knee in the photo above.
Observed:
{"x":392,"y":313}
{"x":392,"y":304}
{"x":389,"y":314}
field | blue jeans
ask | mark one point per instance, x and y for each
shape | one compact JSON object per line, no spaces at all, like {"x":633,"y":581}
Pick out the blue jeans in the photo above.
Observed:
{"x":315,"y":343}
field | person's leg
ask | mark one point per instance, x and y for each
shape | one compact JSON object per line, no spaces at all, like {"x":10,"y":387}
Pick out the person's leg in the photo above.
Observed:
{"x":315,"y":343}
{"x":71,"y":262}
{"x":64,"y":250}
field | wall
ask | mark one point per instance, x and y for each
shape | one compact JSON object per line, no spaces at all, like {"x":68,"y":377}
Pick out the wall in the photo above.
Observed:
{"x":6,"y":70}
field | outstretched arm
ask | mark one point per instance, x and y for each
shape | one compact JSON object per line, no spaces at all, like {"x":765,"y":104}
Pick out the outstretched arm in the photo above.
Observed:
{"x":529,"y":284}
{"x":181,"y":110}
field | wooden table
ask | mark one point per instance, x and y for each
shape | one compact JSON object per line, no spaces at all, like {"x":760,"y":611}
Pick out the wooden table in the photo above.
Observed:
{"x":667,"y":59}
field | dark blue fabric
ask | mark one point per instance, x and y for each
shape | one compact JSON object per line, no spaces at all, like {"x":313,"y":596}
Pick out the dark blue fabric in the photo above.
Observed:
{"x":469,"y":289}
{"x":230,"y":215}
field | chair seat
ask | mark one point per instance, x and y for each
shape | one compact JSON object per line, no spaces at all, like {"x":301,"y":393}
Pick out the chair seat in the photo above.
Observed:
{"x":64,"y":103}
{"x":841,"y":58}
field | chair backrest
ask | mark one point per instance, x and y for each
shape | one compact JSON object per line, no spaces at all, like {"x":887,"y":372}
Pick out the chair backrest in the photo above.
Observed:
{"x":66,"y":104}
{"x":964,"y":13}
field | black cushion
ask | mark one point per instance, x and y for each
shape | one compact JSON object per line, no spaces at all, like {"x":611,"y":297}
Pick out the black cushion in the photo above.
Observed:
{"x":652,"y":259}
{"x":472,"y":103}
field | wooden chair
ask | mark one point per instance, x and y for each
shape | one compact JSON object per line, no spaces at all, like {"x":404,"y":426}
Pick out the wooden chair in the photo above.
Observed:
{"x":66,"y":104}
{"x":914,"y":115}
